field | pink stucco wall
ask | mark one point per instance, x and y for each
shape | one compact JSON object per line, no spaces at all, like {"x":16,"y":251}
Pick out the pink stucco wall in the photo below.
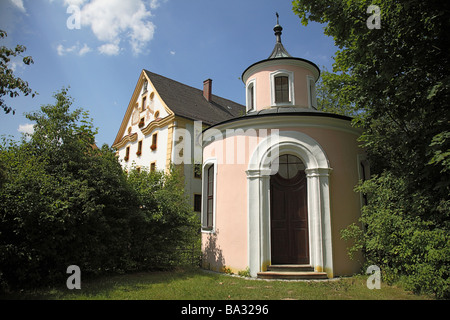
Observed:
{"x":263,"y":88}
{"x":228,"y":245}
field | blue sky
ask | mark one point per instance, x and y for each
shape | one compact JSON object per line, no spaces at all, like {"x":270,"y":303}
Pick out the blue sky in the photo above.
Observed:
{"x":185,"y":40}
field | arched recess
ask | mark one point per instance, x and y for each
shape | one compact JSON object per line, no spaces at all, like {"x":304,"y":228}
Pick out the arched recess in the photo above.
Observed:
{"x":262,"y":164}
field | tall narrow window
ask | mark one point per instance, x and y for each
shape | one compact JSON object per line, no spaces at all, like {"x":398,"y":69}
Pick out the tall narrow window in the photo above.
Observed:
{"x":210,"y":198}
{"x":154,"y":141}
{"x":251,"y":103}
{"x":139,"y":150}
{"x":153,"y":167}
{"x":252,"y":97}
{"x":281,"y":89}
{"x":127,"y":154}
{"x":144,"y":101}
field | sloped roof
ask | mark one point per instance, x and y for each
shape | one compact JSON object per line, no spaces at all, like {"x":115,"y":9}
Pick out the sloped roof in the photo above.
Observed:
{"x":189,"y":102}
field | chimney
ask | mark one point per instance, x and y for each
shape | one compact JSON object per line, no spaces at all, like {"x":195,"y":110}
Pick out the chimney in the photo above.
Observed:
{"x":207,"y":89}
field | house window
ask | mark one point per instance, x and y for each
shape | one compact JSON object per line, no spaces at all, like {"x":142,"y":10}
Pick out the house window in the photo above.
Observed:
{"x":154,"y":141}
{"x":210,"y":197}
{"x":209,"y":188}
{"x":197,"y":202}
{"x":153,"y":167}
{"x":156,"y":115}
{"x":142,"y":122}
{"x":281,"y":89}
{"x":139,"y":150}
{"x":144,"y":100}
{"x":251,"y":103}
{"x":127,"y":154}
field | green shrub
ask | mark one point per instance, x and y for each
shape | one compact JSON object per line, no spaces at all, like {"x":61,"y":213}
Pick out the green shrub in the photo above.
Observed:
{"x":397,"y":237}
{"x":63,"y":201}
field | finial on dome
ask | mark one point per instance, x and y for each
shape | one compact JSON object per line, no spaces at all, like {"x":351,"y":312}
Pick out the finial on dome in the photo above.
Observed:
{"x":279,"y":51}
{"x":278,"y":29}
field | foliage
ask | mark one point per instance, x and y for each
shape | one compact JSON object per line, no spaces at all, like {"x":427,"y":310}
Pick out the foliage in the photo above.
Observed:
{"x":396,"y":81}
{"x":169,"y":225}
{"x":334,"y":94}
{"x":11,"y":85}
{"x":398,"y":240}
{"x":64,"y":201}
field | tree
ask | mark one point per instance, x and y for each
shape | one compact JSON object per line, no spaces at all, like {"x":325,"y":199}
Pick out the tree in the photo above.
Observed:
{"x":10,"y":85}
{"x":170,"y":225}
{"x":64,"y":201}
{"x":397,"y":79}
{"x":331,"y":95}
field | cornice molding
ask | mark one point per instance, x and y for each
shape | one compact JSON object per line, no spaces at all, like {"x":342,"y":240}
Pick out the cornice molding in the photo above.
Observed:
{"x":127,"y":139}
{"x":298,"y":62}
{"x":280,"y":121}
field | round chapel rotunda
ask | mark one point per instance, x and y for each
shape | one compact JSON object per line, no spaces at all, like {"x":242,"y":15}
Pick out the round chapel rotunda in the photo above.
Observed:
{"x":278,"y":182}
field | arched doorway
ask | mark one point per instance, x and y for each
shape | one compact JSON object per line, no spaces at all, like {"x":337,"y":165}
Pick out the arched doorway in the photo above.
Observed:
{"x":289,"y":212}
{"x":259,"y":174}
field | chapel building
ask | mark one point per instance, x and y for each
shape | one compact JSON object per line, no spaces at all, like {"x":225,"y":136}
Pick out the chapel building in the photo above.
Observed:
{"x":278,"y":182}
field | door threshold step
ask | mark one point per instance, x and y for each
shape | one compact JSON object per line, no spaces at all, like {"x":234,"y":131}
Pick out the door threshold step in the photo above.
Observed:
{"x":290,"y":267}
{"x":293,"y":275}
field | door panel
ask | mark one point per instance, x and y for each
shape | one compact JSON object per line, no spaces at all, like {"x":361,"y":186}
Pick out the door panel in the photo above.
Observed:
{"x":289,"y":219}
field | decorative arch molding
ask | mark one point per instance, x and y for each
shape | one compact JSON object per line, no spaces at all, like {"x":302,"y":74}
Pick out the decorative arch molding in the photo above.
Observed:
{"x":262,"y":164}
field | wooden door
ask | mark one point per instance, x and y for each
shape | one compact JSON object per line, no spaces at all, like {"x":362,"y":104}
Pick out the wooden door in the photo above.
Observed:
{"x":289,"y":213}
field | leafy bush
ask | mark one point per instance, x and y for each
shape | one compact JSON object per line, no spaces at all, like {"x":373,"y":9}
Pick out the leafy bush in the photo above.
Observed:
{"x":168,"y":225}
{"x":400,"y":240}
{"x":63,"y":201}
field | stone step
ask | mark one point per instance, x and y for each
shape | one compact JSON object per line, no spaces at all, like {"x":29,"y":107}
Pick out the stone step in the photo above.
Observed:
{"x":292,"y":272}
{"x":292,"y":275}
{"x":290,"y":267}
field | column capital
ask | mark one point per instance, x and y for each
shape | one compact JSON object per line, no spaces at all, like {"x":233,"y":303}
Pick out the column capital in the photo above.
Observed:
{"x":318,"y":172}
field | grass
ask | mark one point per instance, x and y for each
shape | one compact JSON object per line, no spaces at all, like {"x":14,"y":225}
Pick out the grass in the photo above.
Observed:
{"x":202,"y":285}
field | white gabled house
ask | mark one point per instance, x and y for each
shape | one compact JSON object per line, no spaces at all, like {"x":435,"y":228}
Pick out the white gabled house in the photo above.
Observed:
{"x":158,"y":127}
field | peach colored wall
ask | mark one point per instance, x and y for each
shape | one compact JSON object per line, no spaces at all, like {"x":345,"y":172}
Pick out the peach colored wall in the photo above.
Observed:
{"x":263,"y":90}
{"x":342,"y":150}
{"x":229,"y":245}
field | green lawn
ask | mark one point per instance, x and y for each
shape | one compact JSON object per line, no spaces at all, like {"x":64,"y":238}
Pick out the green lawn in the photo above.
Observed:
{"x":202,"y":285}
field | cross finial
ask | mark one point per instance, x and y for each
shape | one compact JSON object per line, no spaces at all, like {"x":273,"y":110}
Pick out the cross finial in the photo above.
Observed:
{"x":276,"y":13}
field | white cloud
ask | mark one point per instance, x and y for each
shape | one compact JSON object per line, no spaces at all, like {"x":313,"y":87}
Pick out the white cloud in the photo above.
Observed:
{"x":84,"y":50}
{"x":110,"y":49}
{"x":81,"y":51}
{"x":19,"y":5}
{"x":172,"y":53}
{"x":26,"y":128}
{"x":74,"y":2}
{"x":111,"y":21}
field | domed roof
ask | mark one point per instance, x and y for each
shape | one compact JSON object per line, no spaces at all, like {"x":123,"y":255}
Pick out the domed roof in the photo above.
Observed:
{"x":280,"y":55}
